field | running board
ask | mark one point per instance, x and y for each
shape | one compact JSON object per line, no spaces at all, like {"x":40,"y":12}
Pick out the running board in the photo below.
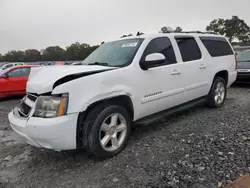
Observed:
{"x":157,"y":116}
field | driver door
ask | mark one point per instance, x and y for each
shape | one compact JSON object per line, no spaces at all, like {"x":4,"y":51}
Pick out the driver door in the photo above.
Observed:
{"x":163,"y":85}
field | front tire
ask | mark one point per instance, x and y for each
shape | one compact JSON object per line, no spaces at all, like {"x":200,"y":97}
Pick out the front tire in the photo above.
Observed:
{"x":106,"y":130}
{"x":218,"y":93}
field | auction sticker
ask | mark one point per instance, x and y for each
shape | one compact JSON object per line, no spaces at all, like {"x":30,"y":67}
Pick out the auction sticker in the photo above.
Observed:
{"x":133,"y":44}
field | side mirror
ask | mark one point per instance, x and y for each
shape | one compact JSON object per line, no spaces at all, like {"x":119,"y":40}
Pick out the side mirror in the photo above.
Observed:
{"x":152,"y":60}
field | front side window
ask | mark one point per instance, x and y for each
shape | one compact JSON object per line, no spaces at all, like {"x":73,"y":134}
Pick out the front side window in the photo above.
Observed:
{"x":21,"y":72}
{"x":161,"y":45}
{"x":117,"y":53}
{"x":244,"y":56}
{"x":189,"y":48}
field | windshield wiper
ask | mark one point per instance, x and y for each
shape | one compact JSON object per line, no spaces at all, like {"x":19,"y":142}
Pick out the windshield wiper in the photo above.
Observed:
{"x":99,"y":63}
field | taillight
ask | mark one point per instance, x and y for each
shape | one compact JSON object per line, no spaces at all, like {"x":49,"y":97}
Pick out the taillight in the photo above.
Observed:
{"x":235,"y":62}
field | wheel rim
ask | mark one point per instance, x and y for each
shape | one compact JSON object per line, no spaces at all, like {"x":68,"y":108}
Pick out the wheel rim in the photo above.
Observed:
{"x":113,"y":132}
{"x":219,"y":93}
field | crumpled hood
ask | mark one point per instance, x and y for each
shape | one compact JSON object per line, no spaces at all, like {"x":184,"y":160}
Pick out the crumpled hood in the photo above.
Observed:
{"x":42,"y":79}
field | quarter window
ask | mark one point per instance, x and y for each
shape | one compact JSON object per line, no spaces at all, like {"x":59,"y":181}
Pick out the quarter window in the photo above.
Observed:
{"x":189,"y":48}
{"x":217,"y":46}
{"x":161,"y":45}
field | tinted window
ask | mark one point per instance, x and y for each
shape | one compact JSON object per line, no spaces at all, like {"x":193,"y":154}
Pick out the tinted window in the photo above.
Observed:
{"x":161,"y":45}
{"x":189,"y":48}
{"x":217,"y":46}
{"x":19,"y":72}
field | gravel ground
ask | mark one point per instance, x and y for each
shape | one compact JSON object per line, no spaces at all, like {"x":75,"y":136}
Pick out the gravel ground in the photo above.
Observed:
{"x":198,"y":148}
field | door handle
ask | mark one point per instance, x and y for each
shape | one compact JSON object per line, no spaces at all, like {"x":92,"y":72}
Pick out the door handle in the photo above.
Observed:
{"x":202,"y":66}
{"x":176,"y":72}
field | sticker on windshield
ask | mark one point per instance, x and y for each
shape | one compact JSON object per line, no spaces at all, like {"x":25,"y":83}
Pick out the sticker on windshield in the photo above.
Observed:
{"x":133,"y":44}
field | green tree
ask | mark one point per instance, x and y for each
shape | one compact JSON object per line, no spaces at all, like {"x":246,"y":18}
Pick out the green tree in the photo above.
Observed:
{"x":73,"y":52}
{"x":178,"y":29}
{"x":14,"y":56}
{"x":234,"y":28}
{"x":85,"y":50}
{"x":166,"y":29}
{"x":53,"y":53}
{"x":77,"y":51}
{"x":32,"y":55}
{"x":217,"y":26}
{"x":1,"y":58}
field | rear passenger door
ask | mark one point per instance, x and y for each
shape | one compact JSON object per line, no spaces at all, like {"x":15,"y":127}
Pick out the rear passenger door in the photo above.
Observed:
{"x":194,"y":67}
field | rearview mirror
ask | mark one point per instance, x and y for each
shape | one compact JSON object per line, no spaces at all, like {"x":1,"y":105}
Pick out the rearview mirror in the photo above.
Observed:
{"x":153,"y":60}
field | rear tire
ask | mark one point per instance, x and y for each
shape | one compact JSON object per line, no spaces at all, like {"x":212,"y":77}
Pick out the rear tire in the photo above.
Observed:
{"x":218,"y":93}
{"x":106,"y":130}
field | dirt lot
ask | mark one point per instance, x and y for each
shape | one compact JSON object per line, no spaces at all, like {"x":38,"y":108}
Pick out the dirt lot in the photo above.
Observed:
{"x":198,"y":148}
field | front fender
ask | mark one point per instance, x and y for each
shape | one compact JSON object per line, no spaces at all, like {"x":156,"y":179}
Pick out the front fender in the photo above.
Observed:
{"x":107,"y":95}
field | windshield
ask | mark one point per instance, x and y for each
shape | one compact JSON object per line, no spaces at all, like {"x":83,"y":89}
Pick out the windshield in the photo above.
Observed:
{"x":117,"y":53}
{"x":243,"y":56}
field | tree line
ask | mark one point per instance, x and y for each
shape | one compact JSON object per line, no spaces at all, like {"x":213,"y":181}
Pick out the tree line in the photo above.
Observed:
{"x":234,"y":28}
{"x":75,"y":51}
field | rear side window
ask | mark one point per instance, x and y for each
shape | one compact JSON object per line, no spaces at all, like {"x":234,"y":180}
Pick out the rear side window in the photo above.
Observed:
{"x":217,"y":46}
{"x":189,"y":48}
{"x":161,"y":45}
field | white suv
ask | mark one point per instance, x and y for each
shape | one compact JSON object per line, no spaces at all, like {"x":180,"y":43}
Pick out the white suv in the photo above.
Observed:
{"x":135,"y":79}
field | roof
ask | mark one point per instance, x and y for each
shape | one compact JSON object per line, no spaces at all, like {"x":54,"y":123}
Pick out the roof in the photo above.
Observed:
{"x":188,"y":33}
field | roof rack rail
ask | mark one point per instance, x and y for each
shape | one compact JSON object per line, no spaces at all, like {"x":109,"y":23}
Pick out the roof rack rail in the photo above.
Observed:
{"x":200,"y":32}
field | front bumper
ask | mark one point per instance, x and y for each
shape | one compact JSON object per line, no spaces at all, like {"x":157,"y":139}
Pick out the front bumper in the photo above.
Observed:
{"x":52,"y":133}
{"x":243,"y":77}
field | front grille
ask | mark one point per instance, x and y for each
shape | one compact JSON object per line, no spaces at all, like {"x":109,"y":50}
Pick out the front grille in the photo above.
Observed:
{"x":24,"y":109}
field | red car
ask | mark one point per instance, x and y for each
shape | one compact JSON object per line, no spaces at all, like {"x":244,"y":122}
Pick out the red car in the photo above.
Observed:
{"x":13,"y":81}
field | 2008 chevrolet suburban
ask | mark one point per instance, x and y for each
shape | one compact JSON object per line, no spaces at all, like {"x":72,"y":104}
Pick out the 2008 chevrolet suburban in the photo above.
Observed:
{"x":133,"y":79}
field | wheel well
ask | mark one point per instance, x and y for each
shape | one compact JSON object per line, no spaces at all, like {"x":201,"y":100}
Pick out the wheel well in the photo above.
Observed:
{"x":223,"y":74}
{"x":122,"y":100}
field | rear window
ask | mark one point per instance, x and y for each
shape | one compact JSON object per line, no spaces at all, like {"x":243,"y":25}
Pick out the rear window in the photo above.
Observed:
{"x":217,"y":46}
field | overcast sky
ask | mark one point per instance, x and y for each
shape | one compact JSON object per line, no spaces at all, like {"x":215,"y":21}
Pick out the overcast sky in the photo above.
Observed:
{"x":40,"y":23}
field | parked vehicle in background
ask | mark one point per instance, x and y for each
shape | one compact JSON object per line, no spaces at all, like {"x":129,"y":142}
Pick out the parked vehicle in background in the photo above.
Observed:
{"x":136,"y":79}
{"x":13,"y":81}
{"x":4,"y":66}
{"x":60,"y":63}
{"x":243,"y":67}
